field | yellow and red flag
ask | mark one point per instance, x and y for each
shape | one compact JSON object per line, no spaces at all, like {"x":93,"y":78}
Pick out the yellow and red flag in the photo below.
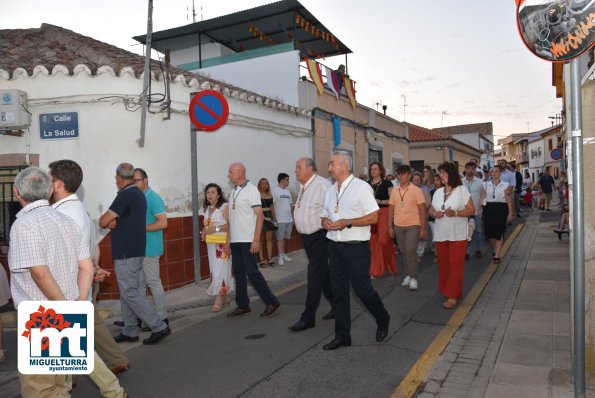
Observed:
{"x":315,"y":74}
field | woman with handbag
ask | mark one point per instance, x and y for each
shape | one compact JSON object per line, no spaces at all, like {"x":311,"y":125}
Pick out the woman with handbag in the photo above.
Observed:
{"x":216,"y":227}
{"x":451,"y":207}
{"x":269,"y":225}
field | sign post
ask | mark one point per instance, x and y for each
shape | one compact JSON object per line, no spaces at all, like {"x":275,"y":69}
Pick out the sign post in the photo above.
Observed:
{"x":208,"y":111}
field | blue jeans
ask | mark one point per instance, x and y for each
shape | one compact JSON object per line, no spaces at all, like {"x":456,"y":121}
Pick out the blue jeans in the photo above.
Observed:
{"x":132,"y":303}
{"x":244,"y":265}
{"x":476,"y":236}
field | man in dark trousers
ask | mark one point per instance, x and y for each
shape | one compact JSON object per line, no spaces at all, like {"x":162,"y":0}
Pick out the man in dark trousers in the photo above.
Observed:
{"x":546,"y":182}
{"x":517,"y":189}
{"x":126,"y":219}
{"x":349,"y":210}
{"x":307,"y":222}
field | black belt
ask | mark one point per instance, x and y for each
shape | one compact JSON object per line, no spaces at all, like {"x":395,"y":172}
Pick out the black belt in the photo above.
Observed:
{"x":314,"y":233}
{"x":351,"y":242}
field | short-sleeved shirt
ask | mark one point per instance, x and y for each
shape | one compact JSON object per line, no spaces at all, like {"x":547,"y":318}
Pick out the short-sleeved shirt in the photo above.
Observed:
{"x":309,"y":204}
{"x":282,"y":201}
{"x":509,"y":177}
{"x":451,"y":228}
{"x":475,"y":186}
{"x":73,"y":208}
{"x":43,"y":236}
{"x":129,"y":238}
{"x":155,"y":206}
{"x":355,"y":200}
{"x":496,"y":193}
{"x":546,"y":183}
{"x":242,"y":219}
{"x":407,"y":215}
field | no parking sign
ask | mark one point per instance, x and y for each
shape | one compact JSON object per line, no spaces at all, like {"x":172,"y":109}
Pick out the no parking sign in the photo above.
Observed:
{"x":208,"y":110}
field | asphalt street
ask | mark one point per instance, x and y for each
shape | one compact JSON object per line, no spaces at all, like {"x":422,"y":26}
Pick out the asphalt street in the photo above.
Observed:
{"x":254,"y":357}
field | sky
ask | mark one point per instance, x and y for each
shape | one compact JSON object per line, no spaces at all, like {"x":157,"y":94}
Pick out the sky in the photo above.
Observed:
{"x":450,"y":62}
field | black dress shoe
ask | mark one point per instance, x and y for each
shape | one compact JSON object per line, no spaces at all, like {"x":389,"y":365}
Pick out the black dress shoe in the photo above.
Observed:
{"x":300,"y":326}
{"x":336,"y":343}
{"x":329,"y":315}
{"x":148,"y":329}
{"x":270,"y":310}
{"x":382,"y":331}
{"x":122,"y":338}
{"x":121,"y":323}
{"x":239,"y":311}
{"x":155,"y":338}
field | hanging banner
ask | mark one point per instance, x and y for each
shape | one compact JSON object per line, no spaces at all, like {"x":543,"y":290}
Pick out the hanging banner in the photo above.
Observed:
{"x":332,"y":81}
{"x":315,"y":74}
{"x":350,"y":90}
{"x":337,"y":130}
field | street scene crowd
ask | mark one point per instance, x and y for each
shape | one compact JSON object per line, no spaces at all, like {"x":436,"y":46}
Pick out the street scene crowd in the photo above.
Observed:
{"x":349,"y":227}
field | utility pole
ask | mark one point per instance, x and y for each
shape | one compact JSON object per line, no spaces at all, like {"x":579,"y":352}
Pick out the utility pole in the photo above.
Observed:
{"x":404,"y":105}
{"x":442,"y":118}
{"x":146,"y":76}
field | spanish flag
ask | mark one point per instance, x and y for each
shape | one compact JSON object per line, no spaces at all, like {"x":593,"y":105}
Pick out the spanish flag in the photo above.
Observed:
{"x":350,"y":90}
{"x":315,"y":74}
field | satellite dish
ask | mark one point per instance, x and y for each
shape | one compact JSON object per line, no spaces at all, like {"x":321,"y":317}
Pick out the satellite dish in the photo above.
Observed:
{"x":557,"y":30}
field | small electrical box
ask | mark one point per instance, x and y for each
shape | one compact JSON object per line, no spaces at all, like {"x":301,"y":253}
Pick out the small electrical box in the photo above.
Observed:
{"x":13,"y":110}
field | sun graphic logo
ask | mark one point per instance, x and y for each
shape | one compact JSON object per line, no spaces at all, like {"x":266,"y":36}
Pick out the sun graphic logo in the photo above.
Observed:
{"x":55,"y":337}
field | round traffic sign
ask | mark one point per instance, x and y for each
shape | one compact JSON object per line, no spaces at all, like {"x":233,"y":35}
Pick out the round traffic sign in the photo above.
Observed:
{"x":208,"y":110}
{"x":556,"y":154}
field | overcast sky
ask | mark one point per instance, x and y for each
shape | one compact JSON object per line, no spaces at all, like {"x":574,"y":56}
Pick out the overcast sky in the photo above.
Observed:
{"x":462,"y":57}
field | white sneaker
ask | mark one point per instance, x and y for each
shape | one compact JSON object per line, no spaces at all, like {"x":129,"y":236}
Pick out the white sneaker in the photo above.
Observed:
{"x":281,"y":261}
{"x":406,"y":281}
{"x":413,"y":284}
{"x":286,"y":257}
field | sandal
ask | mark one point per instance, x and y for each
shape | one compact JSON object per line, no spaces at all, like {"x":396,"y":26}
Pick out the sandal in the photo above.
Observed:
{"x":262,"y":264}
{"x":496,"y":260}
{"x":270,"y":262}
{"x":217,"y":306}
{"x":450,"y":303}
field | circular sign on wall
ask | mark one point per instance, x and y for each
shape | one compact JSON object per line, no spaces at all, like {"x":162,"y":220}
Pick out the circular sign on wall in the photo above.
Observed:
{"x":208,"y":110}
{"x":556,"y":154}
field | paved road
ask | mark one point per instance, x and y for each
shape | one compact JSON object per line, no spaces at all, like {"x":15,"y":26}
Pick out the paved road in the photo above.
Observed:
{"x":253,"y":357}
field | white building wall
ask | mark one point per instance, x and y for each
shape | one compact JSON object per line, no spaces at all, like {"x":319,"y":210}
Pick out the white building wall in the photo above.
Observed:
{"x":536,"y":157}
{"x":275,"y":76}
{"x":267,"y":140}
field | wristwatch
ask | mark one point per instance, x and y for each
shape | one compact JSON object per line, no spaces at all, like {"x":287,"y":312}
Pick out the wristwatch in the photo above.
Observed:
{"x":349,"y":224}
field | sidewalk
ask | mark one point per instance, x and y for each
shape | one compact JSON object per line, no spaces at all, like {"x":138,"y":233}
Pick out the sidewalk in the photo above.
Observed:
{"x":516,"y":340}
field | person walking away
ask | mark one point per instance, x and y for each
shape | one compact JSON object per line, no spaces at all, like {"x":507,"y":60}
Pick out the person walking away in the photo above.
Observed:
{"x":407,"y":213}
{"x":452,"y":206}
{"x":547,"y":184}
{"x":518,"y":187}
{"x":126,"y":219}
{"x":283,"y":204}
{"x":215,"y":233}
{"x":308,"y":223}
{"x":497,"y":197}
{"x":245,"y":226}
{"x":381,"y":245}
{"x":349,"y":210}
{"x":475,"y":187}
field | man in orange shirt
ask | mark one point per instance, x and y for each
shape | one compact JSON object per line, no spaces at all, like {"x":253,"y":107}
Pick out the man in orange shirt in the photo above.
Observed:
{"x":407,"y":212}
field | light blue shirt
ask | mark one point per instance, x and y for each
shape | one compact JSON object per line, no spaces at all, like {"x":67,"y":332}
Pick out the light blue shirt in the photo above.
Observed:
{"x":155,"y":206}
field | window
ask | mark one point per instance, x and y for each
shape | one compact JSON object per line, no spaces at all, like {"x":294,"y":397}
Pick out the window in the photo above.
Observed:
{"x":9,"y":205}
{"x":550,"y":144}
{"x":374,"y":155}
{"x":417,"y":165}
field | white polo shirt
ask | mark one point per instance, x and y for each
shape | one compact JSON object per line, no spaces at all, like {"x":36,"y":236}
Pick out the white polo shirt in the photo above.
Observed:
{"x":354,"y":200}
{"x":73,"y":208}
{"x":496,"y":193}
{"x":242,"y":219}
{"x":309,"y":204}
{"x":282,"y":201}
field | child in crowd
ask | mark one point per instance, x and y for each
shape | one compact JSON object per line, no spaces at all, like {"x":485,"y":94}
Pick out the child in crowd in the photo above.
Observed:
{"x":536,"y":196}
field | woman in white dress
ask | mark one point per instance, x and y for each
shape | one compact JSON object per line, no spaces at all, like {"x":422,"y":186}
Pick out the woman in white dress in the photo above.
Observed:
{"x":215,"y":233}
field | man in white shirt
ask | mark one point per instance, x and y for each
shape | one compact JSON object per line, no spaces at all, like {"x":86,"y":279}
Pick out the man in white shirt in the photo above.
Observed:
{"x":475,"y":187}
{"x":282,"y":202}
{"x":245,"y":228}
{"x":349,"y":210}
{"x":307,"y":222}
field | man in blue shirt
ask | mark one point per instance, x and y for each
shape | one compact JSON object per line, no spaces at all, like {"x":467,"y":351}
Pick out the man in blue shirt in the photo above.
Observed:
{"x":156,"y":222}
{"x":126,"y":218}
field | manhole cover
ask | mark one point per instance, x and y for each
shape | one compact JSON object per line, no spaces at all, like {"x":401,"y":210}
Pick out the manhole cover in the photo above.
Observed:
{"x":255,"y":336}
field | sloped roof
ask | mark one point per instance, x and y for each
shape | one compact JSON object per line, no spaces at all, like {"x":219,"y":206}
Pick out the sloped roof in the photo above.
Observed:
{"x":481,"y":128}
{"x":418,"y":133}
{"x":285,"y":21}
{"x":49,"y":48}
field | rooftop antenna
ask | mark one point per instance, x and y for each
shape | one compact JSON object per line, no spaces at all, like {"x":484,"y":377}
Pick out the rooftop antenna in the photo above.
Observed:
{"x":442,"y":119}
{"x":404,"y":105}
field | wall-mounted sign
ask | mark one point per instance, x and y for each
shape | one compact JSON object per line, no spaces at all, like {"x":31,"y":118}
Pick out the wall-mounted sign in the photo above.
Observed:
{"x":208,"y":110}
{"x":58,"y":125}
{"x":556,"y":154}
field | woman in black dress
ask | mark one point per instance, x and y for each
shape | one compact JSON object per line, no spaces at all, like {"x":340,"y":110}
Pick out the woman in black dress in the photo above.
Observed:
{"x":268,"y":224}
{"x":498,"y":209}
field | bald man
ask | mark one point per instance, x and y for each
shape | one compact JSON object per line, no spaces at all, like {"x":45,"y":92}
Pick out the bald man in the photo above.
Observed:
{"x":245,"y":227}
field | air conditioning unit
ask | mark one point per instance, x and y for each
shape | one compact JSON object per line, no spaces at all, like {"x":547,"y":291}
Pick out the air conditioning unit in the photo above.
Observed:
{"x":13,"y":110}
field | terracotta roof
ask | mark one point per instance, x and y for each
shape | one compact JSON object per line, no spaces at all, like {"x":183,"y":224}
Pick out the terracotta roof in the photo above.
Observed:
{"x":481,"y":128}
{"x":418,"y":133}
{"x":52,"y":48}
